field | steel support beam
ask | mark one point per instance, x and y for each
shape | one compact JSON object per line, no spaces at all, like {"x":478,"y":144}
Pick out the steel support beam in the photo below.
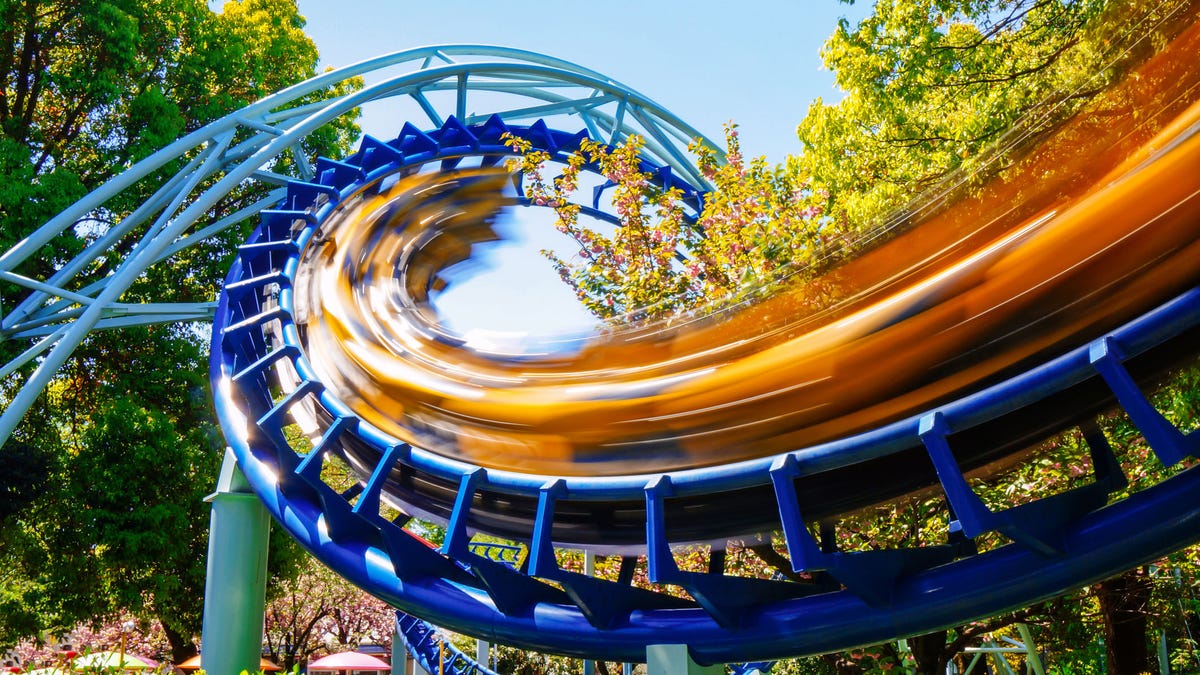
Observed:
{"x":235,"y":591}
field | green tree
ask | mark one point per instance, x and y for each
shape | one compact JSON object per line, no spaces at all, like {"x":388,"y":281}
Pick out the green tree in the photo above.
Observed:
{"x":758,"y":224}
{"x":931,"y":84}
{"x":114,"y":519}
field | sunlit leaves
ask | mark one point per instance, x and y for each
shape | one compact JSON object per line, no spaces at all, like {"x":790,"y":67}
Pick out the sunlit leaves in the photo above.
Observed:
{"x":757,"y":223}
{"x":930,"y":83}
{"x":90,"y":87}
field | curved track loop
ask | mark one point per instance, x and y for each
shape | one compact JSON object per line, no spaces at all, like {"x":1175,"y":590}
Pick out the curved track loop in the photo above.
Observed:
{"x":264,"y":384}
{"x":269,"y":393}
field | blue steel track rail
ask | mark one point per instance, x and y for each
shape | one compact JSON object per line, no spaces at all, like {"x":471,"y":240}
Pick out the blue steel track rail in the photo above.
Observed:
{"x":1059,"y":542}
{"x":433,"y":653}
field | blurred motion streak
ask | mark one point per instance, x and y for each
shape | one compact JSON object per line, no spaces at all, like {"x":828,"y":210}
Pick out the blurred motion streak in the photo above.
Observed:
{"x":1095,"y":223}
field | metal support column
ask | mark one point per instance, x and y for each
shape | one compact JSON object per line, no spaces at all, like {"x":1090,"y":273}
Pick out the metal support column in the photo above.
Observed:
{"x":1033,"y":661}
{"x":236,"y":586}
{"x":675,"y":660}
{"x":483,"y":653}
{"x":1164,"y":654}
{"x":399,"y":652}
{"x":589,"y":569}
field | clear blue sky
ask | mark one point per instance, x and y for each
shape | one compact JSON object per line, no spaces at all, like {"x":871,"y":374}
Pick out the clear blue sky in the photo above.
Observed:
{"x":754,"y":62}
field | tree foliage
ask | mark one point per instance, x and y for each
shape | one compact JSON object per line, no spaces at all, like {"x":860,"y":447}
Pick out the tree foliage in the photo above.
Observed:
{"x":758,"y":224}
{"x":318,"y":612}
{"x":931,"y":84}
{"x":122,"y":448}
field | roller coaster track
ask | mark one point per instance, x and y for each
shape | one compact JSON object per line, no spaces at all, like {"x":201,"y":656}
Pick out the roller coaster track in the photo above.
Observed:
{"x":433,"y":653}
{"x":285,"y":421}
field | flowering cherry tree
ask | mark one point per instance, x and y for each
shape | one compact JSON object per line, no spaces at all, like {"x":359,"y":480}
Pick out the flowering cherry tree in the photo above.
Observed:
{"x":757,"y":224}
{"x":319,"y":612}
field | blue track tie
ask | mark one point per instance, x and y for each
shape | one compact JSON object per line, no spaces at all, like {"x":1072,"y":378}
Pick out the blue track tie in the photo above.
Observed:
{"x":256,"y":283}
{"x":264,"y":361}
{"x":279,"y":224}
{"x":413,"y":141}
{"x":660,"y":563}
{"x":871,"y":575}
{"x":492,"y":130}
{"x":457,"y":537}
{"x":368,"y":502}
{"x":310,"y":466}
{"x":598,"y":193}
{"x":512,"y":591}
{"x":455,"y":137}
{"x":605,"y":604}
{"x":255,"y":321}
{"x":302,"y":196}
{"x":566,"y":142}
{"x":541,"y":548}
{"x":269,"y":418}
{"x":726,"y":599}
{"x":337,"y":174}
{"x":1038,"y":524}
{"x":541,"y":137}
{"x":374,"y":153}
{"x":251,"y":249}
{"x":971,"y":512}
{"x":1167,"y":442}
{"x":801,"y":547}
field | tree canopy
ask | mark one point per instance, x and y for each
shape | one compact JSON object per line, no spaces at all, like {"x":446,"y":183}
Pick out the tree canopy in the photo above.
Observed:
{"x":122,"y":447}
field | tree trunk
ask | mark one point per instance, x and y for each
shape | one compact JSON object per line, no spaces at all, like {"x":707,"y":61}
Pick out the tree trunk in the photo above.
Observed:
{"x":840,"y":665}
{"x":1123,"y":601}
{"x":929,"y":650}
{"x":182,"y":648}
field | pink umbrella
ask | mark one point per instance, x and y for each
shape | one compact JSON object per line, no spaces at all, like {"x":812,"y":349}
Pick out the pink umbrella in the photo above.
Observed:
{"x":348,"y":661}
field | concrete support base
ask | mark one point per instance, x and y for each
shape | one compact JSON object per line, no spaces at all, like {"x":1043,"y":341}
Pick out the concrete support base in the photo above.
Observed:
{"x":675,"y":660}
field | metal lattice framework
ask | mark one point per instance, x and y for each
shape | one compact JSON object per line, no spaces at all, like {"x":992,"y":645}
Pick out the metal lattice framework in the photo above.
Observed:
{"x":262,"y":380}
{"x":470,"y":82}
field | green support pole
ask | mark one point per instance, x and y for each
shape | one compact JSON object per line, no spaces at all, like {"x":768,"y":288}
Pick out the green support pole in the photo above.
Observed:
{"x":675,"y":660}
{"x":1164,"y":654}
{"x":236,"y":586}
{"x":1032,"y":659}
{"x":589,"y":568}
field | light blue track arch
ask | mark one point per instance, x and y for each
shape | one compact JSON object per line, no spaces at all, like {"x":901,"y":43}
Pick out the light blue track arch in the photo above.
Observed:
{"x":464,"y":98}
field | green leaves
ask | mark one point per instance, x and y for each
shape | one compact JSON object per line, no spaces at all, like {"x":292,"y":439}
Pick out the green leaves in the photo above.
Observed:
{"x":931,"y":83}
{"x":91,"y":86}
{"x":758,"y":222}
